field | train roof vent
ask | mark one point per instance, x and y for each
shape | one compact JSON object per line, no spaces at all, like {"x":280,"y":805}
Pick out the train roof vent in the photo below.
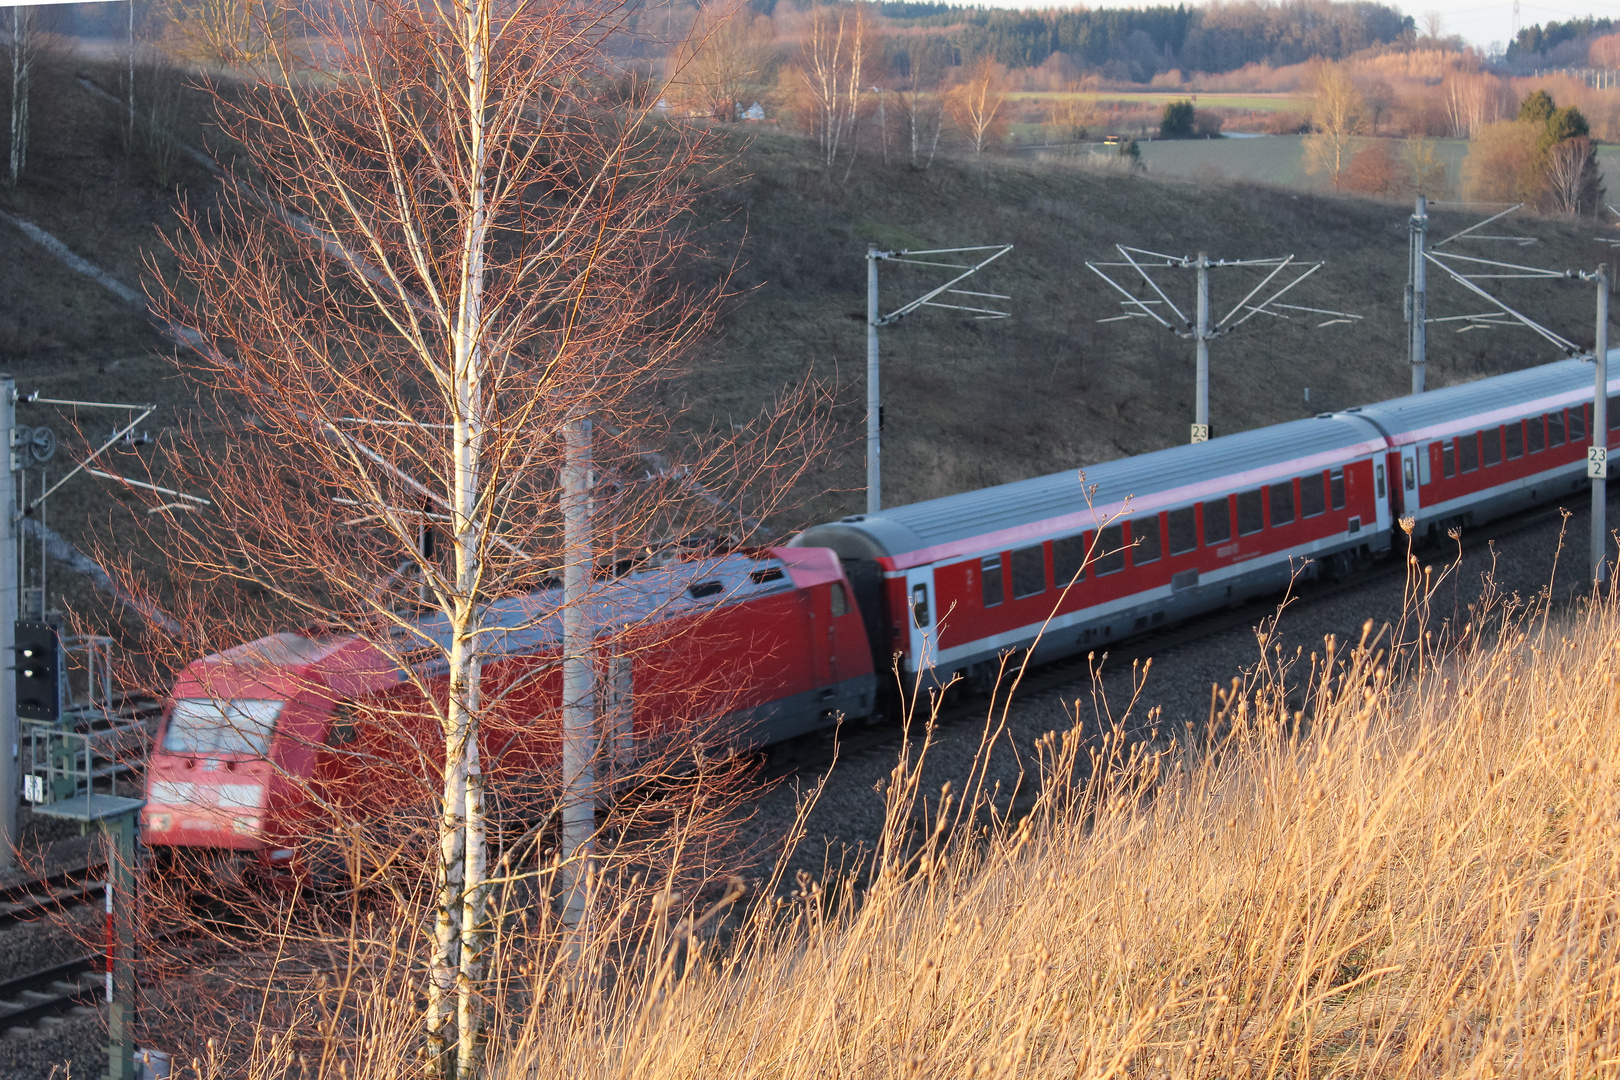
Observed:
{"x":706,"y":588}
{"x":852,"y":519}
{"x":760,"y":577}
{"x":1324,"y":416}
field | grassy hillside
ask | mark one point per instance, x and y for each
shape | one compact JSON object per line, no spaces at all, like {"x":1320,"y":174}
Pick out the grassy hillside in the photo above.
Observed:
{"x":969,"y":403}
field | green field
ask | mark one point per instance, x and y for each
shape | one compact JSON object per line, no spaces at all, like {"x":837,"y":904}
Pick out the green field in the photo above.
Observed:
{"x":1279,"y":159}
{"x":1254,"y":102}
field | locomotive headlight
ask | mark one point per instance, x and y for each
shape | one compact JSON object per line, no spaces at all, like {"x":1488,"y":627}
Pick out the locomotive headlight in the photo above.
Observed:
{"x":159,"y":822}
{"x":243,"y":825}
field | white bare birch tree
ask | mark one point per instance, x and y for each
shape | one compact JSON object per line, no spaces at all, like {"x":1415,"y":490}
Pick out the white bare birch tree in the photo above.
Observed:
{"x":831,"y":67}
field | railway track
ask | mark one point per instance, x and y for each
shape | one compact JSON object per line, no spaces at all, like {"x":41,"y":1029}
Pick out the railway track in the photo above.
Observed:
{"x":50,"y":992}
{"x":28,"y":900}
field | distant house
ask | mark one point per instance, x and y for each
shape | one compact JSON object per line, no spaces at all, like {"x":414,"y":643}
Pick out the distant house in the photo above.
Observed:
{"x":754,"y":113}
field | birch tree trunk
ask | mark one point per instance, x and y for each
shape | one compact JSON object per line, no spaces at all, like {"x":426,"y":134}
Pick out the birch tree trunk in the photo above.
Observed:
{"x":22,"y":60}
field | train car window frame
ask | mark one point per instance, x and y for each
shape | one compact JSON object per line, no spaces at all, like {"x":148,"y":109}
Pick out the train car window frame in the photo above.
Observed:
{"x":1555,"y":428}
{"x":1467,"y":453}
{"x":1336,"y":488}
{"x":990,"y":581}
{"x":1513,"y":441}
{"x":1028,"y":571}
{"x":1147,"y":540}
{"x":1576,"y":427}
{"x":1182,"y":525}
{"x":1110,"y":558}
{"x":1281,"y":503}
{"x":1490,"y":447}
{"x":1535,"y":435}
{"x":1217,"y":521}
{"x":1448,"y":460}
{"x":1068,"y":560}
{"x":1251,"y":511}
{"x":1312,"y":496}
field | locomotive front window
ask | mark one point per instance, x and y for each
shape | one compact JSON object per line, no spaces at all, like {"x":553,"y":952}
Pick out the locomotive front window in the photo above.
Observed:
{"x":1555,"y":428}
{"x":1251,"y":512}
{"x":1217,"y":521}
{"x":205,"y":726}
{"x":1146,"y":544}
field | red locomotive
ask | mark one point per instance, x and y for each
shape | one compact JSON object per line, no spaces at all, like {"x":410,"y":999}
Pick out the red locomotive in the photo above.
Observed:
{"x":789,"y":641}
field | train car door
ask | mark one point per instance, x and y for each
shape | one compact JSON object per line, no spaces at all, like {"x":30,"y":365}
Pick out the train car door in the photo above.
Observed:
{"x":1408,"y":481}
{"x":921,"y":615}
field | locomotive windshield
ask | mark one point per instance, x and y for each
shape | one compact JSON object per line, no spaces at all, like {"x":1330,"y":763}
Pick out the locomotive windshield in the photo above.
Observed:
{"x":206,"y":726}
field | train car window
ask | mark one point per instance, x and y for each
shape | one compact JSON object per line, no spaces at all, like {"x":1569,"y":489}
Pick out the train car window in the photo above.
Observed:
{"x":342,"y":731}
{"x":1068,"y":560}
{"x":1146,"y":543}
{"x":1217,"y":521}
{"x":1513,"y":441}
{"x":1555,"y":428}
{"x":1614,"y":413}
{"x":1467,"y":453}
{"x":1448,"y":460}
{"x":1251,"y":516}
{"x":1312,"y":499}
{"x":1378,"y":473}
{"x":919,"y":605}
{"x":1535,"y":434}
{"x":840,"y":599}
{"x":1336,"y":488}
{"x":1282,"y":503}
{"x":1577,"y":423}
{"x":990,"y":572}
{"x":1183,"y":530}
{"x":1490,"y":442}
{"x":1028,"y":571}
{"x":1110,"y":551}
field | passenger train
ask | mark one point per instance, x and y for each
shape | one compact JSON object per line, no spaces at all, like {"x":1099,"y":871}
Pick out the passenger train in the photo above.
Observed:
{"x":790,"y":639}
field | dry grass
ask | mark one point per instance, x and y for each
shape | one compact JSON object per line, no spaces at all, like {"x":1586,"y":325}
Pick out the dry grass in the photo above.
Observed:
{"x":1393,"y":858}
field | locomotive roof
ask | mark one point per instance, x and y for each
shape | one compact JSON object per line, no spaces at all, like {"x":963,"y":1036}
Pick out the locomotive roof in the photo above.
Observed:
{"x":1438,"y":413}
{"x":519,"y":623}
{"x":1024,"y":510}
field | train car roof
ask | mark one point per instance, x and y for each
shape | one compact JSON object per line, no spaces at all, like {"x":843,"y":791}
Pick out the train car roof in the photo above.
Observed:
{"x":1472,"y":405}
{"x":1025,"y":510}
